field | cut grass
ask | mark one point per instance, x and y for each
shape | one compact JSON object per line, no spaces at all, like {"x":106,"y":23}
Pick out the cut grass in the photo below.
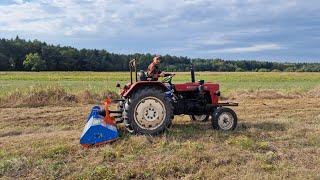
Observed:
{"x":277,"y":135}
{"x":278,"y":140}
{"x":52,"y":95}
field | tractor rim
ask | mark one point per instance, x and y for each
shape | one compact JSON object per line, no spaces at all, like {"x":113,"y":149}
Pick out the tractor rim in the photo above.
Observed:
{"x":150,"y":112}
{"x":225,"y":120}
{"x":200,"y":117}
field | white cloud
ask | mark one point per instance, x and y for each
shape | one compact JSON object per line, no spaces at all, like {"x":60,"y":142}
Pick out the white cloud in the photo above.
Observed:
{"x":118,"y":15}
{"x":18,"y":1}
{"x":253,"y":48}
{"x":184,"y":26}
{"x":139,"y":15}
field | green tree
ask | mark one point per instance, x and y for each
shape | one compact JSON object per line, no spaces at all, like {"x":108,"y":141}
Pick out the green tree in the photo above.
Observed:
{"x":4,"y":64}
{"x":34,"y":62}
{"x":12,"y":63}
{"x":64,"y":58}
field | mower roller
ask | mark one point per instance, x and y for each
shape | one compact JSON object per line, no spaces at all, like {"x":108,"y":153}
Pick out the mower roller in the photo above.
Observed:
{"x":148,"y":107}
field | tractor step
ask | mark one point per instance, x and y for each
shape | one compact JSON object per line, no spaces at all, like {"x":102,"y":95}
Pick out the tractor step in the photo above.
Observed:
{"x":117,"y":116}
{"x":228,"y":104}
{"x":116,"y":112}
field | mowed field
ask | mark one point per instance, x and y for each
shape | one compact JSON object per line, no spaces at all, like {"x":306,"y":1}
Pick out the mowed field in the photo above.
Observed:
{"x":42,"y":116}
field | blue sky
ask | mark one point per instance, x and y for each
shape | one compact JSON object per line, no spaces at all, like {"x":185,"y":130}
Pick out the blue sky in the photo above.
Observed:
{"x":277,"y":30}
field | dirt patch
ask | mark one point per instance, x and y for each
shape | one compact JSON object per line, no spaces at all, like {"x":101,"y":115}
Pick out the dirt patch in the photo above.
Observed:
{"x":36,"y":97}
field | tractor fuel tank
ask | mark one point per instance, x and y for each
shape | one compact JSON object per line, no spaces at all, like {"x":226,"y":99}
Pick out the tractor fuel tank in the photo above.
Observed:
{"x":212,"y":88}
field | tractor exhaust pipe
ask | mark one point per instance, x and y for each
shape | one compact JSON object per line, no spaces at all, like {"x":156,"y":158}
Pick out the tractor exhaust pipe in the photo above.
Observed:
{"x":192,"y":73}
{"x":132,"y":64}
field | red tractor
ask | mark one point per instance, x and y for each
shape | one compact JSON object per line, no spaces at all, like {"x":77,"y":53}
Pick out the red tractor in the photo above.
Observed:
{"x":148,"y":107}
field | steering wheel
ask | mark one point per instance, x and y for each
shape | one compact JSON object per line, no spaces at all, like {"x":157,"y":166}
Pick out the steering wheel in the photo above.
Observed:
{"x":168,"y":79}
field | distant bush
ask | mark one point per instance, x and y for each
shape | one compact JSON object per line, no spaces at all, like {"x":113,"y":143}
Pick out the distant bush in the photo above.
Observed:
{"x":290,"y":69}
{"x":263,"y":70}
{"x":239,"y":70}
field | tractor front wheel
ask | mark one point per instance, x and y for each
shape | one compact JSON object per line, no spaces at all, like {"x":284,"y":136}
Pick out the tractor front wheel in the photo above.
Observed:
{"x":148,"y":111}
{"x":224,"y":119}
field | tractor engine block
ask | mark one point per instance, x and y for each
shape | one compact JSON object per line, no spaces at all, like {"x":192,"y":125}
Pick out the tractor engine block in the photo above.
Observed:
{"x":191,"y":103}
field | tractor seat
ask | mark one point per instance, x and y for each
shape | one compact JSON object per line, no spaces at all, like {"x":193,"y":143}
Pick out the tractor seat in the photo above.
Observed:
{"x":142,"y":76}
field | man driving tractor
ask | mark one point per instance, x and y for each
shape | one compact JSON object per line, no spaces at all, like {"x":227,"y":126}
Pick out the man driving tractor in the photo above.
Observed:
{"x":154,"y":72}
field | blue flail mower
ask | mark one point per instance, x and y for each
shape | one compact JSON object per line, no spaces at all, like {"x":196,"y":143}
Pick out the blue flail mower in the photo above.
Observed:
{"x":98,"y":130}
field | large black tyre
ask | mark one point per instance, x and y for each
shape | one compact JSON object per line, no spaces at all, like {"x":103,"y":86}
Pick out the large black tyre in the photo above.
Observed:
{"x":224,"y":119}
{"x":199,"y":118}
{"x":120,"y":107}
{"x":148,"y":111}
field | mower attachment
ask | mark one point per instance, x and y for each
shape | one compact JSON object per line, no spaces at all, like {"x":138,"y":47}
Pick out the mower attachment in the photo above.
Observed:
{"x":99,"y":129}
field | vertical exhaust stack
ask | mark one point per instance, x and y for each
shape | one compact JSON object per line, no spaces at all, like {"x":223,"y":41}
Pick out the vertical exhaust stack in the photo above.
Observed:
{"x":192,"y":73}
{"x":132,"y":64}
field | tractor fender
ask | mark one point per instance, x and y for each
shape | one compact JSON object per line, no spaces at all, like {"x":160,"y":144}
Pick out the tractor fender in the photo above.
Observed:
{"x":135,"y":86}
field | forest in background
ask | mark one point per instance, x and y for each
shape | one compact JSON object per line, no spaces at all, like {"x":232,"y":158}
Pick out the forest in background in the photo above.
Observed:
{"x":22,"y":55}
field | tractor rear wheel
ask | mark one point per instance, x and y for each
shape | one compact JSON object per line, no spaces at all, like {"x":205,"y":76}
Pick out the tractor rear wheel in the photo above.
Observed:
{"x":148,"y":111}
{"x":224,"y":119}
{"x":200,"y":118}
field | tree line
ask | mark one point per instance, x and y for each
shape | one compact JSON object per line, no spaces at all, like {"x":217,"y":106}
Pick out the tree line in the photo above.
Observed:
{"x":21,"y":55}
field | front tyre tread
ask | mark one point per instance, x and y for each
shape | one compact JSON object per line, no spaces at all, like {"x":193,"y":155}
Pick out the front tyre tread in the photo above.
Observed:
{"x":220,"y":111}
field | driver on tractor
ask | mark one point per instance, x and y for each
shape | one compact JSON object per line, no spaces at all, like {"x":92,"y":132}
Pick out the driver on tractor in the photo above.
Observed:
{"x":154,"y":72}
